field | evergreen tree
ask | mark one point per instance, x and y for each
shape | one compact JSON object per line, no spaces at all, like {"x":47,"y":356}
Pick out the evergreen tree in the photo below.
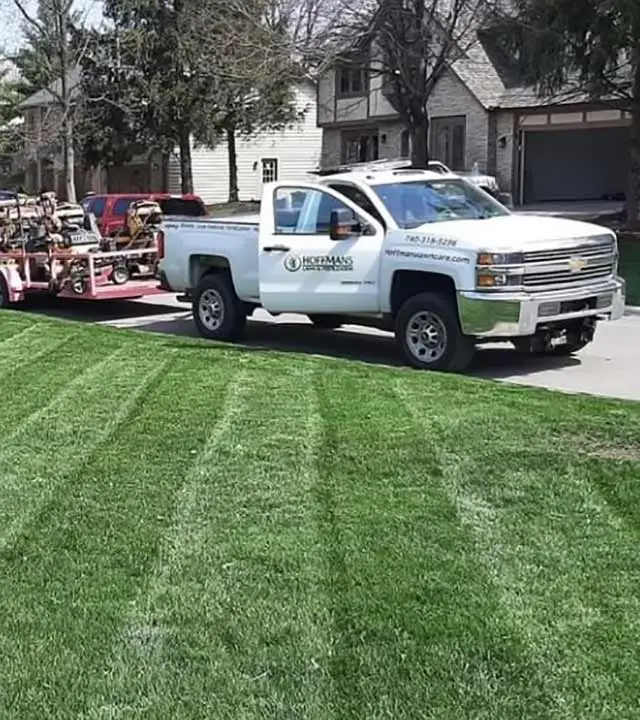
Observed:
{"x":589,"y":48}
{"x":38,"y":60}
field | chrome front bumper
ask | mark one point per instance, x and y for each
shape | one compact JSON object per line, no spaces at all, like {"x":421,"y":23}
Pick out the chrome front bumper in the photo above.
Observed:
{"x":498,"y":314}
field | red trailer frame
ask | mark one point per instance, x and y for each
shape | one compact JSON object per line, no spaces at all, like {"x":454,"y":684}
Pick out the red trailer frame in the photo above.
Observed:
{"x":15,"y":275}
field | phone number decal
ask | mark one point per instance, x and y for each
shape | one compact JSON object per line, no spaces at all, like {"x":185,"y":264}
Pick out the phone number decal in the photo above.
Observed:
{"x":431,"y":241}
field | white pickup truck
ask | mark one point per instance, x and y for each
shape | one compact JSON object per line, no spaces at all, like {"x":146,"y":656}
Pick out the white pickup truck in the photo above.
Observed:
{"x":426,"y":255}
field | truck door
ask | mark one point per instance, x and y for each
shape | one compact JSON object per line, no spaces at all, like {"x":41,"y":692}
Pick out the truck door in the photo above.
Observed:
{"x":301,"y":268}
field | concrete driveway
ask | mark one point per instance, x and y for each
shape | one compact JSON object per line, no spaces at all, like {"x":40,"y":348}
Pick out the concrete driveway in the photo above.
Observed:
{"x":609,"y":366}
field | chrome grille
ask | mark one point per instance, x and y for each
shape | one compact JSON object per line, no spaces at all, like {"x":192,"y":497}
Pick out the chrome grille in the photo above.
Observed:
{"x":605,"y":246}
{"x":570,"y":266}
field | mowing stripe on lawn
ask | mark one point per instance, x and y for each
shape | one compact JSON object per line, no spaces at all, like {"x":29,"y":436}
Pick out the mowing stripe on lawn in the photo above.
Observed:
{"x":12,"y":324}
{"x":37,"y":382}
{"x":233,"y":625}
{"x":419,"y":630}
{"x":28,"y":346}
{"x":46,"y":447}
{"x":67,"y":585}
{"x":143,"y":636}
{"x":560,"y":558}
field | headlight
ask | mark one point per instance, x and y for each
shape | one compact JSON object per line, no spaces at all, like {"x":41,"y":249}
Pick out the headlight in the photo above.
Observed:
{"x":486,"y":279}
{"x":487,"y":259}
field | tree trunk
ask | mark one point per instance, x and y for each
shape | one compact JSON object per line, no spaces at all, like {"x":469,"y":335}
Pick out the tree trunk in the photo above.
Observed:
{"x":69,"y":160}
{"x":420,"y":144}
{"x":234,"y":194}
{"x":633,"y":183}
{"x":186,"y":167}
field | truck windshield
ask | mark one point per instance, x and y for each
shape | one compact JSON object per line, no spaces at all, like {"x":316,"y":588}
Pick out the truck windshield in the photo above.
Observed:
{"x":428,"y":201}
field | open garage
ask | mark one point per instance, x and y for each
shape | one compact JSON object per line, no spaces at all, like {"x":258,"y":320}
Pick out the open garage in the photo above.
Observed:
{"x":580,"y":162}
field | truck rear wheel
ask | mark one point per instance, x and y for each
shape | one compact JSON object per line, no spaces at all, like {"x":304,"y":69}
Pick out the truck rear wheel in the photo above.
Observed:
{"x":326,"y":322}
{"x":429,"y":334}
{"x":217,"y":310}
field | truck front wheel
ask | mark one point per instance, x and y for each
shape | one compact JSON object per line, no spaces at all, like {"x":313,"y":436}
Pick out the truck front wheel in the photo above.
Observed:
{"x":217,"y":311}
{"x":429,"y":334}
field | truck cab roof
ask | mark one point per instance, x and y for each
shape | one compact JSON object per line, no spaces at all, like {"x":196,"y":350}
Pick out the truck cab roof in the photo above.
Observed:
{"x":366,"y":177}
{"x":379,"y":172}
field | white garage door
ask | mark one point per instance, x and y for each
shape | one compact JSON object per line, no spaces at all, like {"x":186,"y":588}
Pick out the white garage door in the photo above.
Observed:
{"x":585,"y":164}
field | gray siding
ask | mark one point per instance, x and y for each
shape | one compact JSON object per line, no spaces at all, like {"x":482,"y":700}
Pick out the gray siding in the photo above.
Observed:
{"x":504,"y":155}
{"x":450,"y":97}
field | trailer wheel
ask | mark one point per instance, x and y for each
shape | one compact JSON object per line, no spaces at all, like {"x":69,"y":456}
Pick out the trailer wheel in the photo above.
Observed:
{"x":120,"y":275}
{"x":429,"y":334}
{"x":217,"y":311}
{"x":5,"y":301}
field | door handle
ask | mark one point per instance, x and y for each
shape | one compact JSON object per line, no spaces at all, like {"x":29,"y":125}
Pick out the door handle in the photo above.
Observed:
{"x":276,"y":248}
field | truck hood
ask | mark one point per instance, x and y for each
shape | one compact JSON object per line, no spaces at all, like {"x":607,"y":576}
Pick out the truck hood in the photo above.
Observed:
{"x":513,"y":232}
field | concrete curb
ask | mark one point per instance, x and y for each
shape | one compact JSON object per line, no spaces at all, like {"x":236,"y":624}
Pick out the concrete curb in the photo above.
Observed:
{"x":632,"y":310}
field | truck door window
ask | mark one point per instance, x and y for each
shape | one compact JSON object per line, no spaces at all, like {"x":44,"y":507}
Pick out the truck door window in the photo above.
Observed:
{"x":305,"y":211}
{"x":359,"y":198}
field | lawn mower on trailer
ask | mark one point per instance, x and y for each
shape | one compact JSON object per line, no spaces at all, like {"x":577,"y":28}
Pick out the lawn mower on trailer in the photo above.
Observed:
{"x":144,"y":219}
{"x":53,"y":247}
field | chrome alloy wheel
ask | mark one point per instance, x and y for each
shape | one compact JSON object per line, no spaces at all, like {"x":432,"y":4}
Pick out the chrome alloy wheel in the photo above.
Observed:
{"x":426,"y":337}
{"x":211,"y":310}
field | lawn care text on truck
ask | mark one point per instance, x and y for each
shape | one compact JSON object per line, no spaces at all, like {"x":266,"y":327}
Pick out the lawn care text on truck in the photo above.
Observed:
{"x":429,"y":256}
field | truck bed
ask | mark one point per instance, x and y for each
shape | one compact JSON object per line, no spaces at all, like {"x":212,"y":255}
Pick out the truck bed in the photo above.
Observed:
{"x":191,"y":243}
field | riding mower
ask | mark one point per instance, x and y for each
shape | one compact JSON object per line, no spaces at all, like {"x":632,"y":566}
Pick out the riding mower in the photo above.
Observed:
{"x":144,"y":218}
{"x":55,"y":233}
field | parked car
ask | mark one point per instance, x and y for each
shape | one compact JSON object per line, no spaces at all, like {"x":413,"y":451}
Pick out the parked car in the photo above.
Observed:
{"x":427,"y":255}
{"x":110,"y":210}
{"x":488,"y":183}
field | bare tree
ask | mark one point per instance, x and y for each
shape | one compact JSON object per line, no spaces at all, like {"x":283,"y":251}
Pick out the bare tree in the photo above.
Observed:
{"x":58,"y":26}
{"x":408,"y":44}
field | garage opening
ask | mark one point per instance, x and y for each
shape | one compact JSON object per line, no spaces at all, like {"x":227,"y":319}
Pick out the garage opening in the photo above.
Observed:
{"x":575,"y":165}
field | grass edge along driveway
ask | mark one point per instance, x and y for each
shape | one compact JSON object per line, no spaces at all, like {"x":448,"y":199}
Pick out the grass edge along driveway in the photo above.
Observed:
{"x":191,"y":531}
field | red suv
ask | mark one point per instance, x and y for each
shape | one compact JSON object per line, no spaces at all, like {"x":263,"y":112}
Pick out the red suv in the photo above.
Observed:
{"x":111,"y":210}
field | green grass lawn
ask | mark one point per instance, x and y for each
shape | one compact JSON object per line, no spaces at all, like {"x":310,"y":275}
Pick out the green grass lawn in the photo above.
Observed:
{"x":200,"y":533}
{"x":630,"y":269}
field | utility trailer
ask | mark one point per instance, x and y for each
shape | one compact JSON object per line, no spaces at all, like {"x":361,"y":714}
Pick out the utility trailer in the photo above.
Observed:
{"x":55,"y":248}
{"x":81,"y":276}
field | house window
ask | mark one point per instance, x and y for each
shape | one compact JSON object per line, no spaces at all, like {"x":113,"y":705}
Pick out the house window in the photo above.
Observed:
{"x":360,"y":146}
{"x":351,"y":81}
{"x":269,"y":170}
{"x":448,"y":136}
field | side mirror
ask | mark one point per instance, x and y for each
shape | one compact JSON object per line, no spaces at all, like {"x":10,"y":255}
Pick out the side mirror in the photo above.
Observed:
{"x":343,"y":224}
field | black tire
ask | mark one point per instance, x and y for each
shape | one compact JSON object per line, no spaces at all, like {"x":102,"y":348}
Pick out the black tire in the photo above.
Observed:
{"x":326,"y":322}
{"x":4,"y":294}
{"x":456,"y":350}
{"x":232,"y":319}
{"x":120,"y":275}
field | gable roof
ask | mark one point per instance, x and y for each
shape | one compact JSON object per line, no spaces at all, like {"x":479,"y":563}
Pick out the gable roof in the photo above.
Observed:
{"x":486,"y":72}
{"x":50,"y":94}
{"x":479,"y":74}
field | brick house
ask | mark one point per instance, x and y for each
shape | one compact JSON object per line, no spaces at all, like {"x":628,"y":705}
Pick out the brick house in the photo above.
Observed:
{"x":540,"y":151}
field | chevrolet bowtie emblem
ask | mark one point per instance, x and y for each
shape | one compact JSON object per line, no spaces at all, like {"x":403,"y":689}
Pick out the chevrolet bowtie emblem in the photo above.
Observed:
{"x":576,"y":264}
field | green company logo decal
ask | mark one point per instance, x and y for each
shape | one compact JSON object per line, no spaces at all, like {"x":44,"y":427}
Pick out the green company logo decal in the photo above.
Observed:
{"x":318,"y":263}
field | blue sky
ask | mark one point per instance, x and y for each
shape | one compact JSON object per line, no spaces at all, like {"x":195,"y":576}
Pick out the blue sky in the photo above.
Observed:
{"x":10,"y":28}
